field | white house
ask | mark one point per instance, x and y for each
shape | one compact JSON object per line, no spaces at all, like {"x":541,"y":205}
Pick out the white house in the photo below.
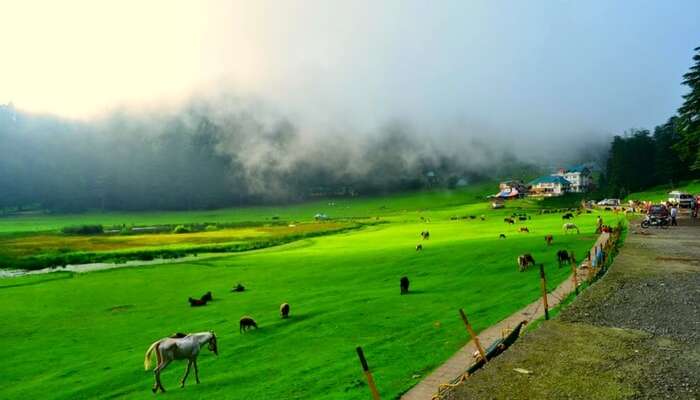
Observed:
{"x":552,"y":185}
{"x":579,"y":176}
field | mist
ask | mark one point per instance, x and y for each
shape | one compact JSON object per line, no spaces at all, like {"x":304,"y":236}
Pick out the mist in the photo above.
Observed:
{"x":198,"y":105}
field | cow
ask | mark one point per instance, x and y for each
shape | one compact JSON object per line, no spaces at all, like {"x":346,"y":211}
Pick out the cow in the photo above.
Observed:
{"x":425,"y":235}
{"x":207,"y":296}
{"x":567,"y":216}
{"x":524,"y":229}
{"x":525,"y":261}
{"x":404,"y":284}
{"x":246,"y":323}
{"x":238,"y":288}
{"x":197,"y":302}
{"x":419,"y":247}
{"x":284,"y":310}
{"x":502,"y":236}
{"x":509,"y":220}
{"x":548,"y":239}
{"x":569,"y":226}
{"x":563,"y":257}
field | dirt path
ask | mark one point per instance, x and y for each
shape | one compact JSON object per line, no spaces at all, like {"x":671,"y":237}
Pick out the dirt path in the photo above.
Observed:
{"x":633,"y":335}
{"x":457,"y":364}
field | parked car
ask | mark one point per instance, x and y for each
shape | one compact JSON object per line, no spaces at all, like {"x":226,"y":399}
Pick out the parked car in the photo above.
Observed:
{"x":684,"y":200}
{"x":609,"y":202}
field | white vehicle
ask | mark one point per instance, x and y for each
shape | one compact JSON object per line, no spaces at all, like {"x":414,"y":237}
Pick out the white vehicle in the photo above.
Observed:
{"x":609,"y":202}
{"x":681,"y":199}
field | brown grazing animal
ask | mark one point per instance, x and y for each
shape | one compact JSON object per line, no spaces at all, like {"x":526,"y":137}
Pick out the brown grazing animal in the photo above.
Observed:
{"x":509,"y":220}
{"x":502,"y":236}
{"x":404,"y":284}
{"x":524,"y":229}
{"x":563,"y":257}
{"x":548,"y":239}
{"x":419,"y":247}
{"x":197,"y":302}
{"x":284,"y":310}
{"x":525,"y":261}
{"x":246,"y":323}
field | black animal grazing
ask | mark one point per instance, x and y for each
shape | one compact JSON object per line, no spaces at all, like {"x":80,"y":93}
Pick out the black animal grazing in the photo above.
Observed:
{"x":284,"y":310}
{"x":238,"y":288}
{"x":563,"y":257}
{"x":509,"y":220}
{"x":207,"y":297}
{"x":472,"y":217}
{"x":425,"y":235}
{"x":197,"y":302}
{"x":522,"y":218}
{"x":404,"y":284}
{"x":502,"y":236}
{"x":548,"y":239}
{"x":246,"y":323}
{"x":525,"y":261}
{"x":567,"y":216}
{"x":419,"y":247}
{"x":524,"y":229}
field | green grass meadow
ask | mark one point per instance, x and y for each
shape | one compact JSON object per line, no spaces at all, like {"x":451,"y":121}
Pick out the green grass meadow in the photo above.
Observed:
{"x":75,"y":336}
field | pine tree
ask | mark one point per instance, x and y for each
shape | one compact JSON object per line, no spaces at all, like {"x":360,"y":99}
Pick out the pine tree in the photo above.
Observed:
{"x":689,"y":117}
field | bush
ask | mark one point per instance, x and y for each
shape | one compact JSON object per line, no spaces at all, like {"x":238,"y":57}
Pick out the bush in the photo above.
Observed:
{"x":211,"y":228}
{"x":83,"y":230}
{"x":181,"y":229}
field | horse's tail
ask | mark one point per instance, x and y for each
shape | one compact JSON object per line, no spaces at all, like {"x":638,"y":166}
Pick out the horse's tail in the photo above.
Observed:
{"x":147,"y":358}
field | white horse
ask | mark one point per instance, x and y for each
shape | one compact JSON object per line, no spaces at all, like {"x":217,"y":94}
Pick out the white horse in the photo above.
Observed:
{"x":178,"y":348}
{"x":569,"y":226}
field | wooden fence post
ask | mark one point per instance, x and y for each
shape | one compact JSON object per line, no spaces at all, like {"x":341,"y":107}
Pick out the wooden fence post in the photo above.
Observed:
{"x":574,"y":269}
{"x":368,"y":374}
{"x":543,"y":281}
{"x":473,"y":335}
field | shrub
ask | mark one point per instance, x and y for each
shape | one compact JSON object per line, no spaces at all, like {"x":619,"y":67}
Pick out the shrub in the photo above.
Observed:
{"x":83,"y":230}
{"x":211,"y":228}
{"x":181,"y":229}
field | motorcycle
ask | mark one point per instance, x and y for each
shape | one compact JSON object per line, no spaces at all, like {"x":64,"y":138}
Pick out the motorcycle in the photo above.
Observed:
{"x":657,"y":221}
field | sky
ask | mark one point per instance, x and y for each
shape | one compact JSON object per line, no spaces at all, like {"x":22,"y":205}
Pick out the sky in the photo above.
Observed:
{"x":541,"y":69}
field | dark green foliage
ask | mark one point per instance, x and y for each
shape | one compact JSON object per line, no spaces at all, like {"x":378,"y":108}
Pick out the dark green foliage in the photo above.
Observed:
{"x":181,"y":229}
{"x":689,"y":117}
{"x":83,"y":230}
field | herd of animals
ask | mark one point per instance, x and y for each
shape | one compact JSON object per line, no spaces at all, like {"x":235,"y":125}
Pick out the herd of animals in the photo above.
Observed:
{"x":181,"y":346}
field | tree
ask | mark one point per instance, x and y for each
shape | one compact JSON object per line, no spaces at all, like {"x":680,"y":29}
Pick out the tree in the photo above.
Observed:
{"x":689,"y":117}
{"x":669,"y":167}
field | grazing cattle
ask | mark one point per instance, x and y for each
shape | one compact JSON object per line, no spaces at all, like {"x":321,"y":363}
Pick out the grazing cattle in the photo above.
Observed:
{"x":246,"y":323}
{"x":472,"y":217}
{"x":522,"y":218}
{"x":419,"y":247}
{"x":502,"y":236}
{"x":567,"y":216}
{"x":404,"y":284}
{"x":548,"y":239}
{"x":207,"y":296}
{"x":509,"y":220}
{"x":563,"y":257}
{"x":483,"y":218}
{"x":180,"y":348}
{"x":524,"y":229}
{"x":569,"y":227}
{"x":197,"y":302}
{"x":525,"y":261}
{"x":238,"y":288}
{"x":284,"y":310}
{"x":589,"y":211}
{"x":425,"y":235}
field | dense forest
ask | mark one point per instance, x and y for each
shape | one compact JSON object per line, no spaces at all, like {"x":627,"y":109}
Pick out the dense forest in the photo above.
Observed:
{"x":640,"y":159}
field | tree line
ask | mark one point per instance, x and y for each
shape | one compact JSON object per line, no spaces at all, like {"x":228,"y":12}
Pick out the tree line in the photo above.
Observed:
{"x":640,"y":159}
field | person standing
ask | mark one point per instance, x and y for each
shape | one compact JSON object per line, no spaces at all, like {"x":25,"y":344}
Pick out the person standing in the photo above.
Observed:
{"x":674,"y":214}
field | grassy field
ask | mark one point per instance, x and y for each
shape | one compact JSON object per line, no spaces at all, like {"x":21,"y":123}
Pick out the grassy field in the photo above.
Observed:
{"x":84,"y":335}
{"x":660,"y":193}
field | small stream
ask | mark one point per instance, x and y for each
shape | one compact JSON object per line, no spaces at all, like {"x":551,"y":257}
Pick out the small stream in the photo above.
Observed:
{"x":81,"y":268}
